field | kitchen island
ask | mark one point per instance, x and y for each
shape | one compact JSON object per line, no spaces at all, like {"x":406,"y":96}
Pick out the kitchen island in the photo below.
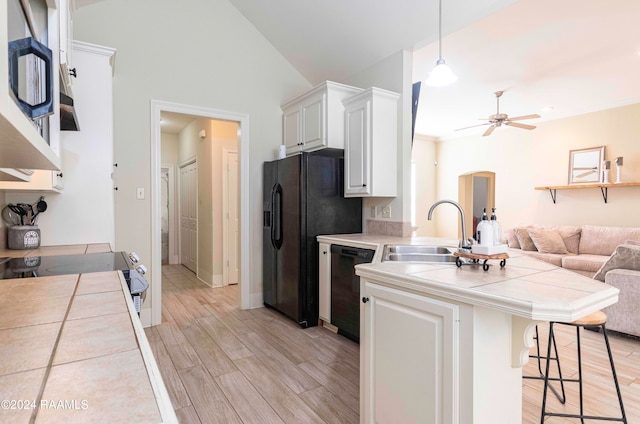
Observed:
{"x":442,"y":344}
{"x":72,"y":349}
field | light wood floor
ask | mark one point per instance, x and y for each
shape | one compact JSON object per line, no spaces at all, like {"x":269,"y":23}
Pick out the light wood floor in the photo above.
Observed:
{"x":224,"y":365}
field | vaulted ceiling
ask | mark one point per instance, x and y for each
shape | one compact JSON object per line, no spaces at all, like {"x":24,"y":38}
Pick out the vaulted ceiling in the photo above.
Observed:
{"x":576,"y":56}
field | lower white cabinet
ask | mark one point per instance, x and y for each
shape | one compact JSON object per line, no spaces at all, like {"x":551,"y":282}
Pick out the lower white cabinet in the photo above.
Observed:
{"x":409,"y":357}
{"x":324,"y":277}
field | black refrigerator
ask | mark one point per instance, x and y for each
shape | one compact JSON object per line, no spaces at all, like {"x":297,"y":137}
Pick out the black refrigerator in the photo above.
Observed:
{"x":303,"y":198}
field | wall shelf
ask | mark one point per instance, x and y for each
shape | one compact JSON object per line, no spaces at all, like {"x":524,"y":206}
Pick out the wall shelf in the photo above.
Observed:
{"x":604,"y":188}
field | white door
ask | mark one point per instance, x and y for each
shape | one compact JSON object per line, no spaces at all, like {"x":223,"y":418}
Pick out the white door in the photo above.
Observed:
{"x":188,"y":216}
{"x":232,"y":219}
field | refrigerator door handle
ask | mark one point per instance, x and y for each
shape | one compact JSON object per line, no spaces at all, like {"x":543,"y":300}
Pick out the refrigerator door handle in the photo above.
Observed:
{"x":276,"y":225}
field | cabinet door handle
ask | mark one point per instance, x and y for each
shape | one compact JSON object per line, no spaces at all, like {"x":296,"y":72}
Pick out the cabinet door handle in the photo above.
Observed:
{"x":365,"y":299}
{"x":59,"y":175}
{"x":364,"y":185}
{"x":324,"y":252}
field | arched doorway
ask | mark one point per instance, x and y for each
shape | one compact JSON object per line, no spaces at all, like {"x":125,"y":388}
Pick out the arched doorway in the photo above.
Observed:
{"x":476,"y":190}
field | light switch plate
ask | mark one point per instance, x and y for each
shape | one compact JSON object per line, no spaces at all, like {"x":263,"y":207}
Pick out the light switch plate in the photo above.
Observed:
{"x":140,"y":193}
{"x":386,"y":212}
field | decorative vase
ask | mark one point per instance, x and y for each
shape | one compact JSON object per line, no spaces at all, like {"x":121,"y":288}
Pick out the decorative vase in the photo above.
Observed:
{"x":618,"y":169}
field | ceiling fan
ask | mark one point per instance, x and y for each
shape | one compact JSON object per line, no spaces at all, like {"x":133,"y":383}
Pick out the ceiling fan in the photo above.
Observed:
{"x":500,"y":119}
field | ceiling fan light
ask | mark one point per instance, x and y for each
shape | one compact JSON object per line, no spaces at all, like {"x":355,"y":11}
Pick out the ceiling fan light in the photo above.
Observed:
{"x":441,"y":75}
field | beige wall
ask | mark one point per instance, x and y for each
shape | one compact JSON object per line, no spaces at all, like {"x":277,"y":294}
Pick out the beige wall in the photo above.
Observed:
{"x":424,"y":156}
{"x":524,"y":159}
{"x":211,"y":57}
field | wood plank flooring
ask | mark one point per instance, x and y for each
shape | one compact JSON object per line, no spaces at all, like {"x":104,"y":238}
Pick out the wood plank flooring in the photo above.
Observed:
{"x":225,"y":365}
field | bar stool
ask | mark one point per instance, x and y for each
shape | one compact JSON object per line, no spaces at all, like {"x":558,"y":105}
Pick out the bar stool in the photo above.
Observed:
{"x":596,"y":319}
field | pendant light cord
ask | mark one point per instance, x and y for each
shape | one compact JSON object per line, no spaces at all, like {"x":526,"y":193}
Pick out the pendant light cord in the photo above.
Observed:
{"x":440,"y":30}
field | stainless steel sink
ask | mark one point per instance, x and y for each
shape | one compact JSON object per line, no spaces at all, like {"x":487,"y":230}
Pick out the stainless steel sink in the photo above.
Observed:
{"x":415,"y":253}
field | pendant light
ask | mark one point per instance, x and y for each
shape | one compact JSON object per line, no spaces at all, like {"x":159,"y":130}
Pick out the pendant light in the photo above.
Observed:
{"x":441,"y":74}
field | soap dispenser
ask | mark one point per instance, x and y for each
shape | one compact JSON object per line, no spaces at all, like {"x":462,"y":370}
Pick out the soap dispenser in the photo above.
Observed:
{"x":497,"y":228}
{"x":485,"y":230}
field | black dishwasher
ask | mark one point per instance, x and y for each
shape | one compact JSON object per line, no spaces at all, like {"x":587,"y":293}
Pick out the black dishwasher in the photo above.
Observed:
{"x":345,"y":288}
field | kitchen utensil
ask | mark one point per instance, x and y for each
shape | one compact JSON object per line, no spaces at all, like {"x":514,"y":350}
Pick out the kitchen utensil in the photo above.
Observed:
{"x":41,"y":206}
{"x":9,"y":217}
{"x":19,"y":211}
{"x":28,"y":212}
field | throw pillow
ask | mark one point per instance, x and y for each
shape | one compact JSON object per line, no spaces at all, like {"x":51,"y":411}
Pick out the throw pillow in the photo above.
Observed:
{"x":626,"y":256}
{"x":548,"y":241}
{"x":522,"y":234}
{"x":512,"y":240}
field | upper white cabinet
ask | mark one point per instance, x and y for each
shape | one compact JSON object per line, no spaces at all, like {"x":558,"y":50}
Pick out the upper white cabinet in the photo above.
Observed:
{"x":371,"y":134}
{"x":315,"y":120}
{"x":66,"y":46}
{"x":22,"y":146}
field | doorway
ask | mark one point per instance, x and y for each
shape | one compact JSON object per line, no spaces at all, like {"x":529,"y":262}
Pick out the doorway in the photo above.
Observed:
{"x":476,"y":191}
{"x":189,"y":216}
{"x":243,"y":275}
{"x":167,"y":218}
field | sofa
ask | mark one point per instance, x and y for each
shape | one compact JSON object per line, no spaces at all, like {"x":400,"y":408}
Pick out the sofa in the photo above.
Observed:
{"x":608,"y":254}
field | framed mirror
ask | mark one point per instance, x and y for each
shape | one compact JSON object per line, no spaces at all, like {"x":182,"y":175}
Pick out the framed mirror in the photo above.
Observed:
{"x":585,"y":165}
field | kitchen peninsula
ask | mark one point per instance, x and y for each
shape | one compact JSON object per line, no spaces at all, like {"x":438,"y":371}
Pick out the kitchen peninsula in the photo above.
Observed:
{"x":440,"y":343}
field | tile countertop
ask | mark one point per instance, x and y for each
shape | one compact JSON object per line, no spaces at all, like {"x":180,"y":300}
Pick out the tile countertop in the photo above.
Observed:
{"x":70,"y":249}
{"x":73,"y":347}
{"x":525,"y":287}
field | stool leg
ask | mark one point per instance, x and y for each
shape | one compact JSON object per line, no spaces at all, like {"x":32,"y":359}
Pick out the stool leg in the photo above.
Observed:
{"x":546,"y":374}
{"x":538,"y":351}
{"x":562,"y":399}
{"x":613,"y":371}
{"x":580,"y":373}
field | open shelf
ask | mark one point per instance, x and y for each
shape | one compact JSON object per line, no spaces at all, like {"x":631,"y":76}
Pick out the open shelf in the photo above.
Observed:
{"x":604,"y":188}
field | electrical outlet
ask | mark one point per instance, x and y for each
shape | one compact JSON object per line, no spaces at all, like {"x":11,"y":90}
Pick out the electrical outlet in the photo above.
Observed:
{"x":386,"y":212}
{"x":374,"y":211}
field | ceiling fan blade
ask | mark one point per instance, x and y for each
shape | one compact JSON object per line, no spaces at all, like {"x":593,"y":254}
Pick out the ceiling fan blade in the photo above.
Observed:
{"x":519,"y":125}
{"x":519,"y":118}
{"x":473,"y":126}
{"x":489,"y":130}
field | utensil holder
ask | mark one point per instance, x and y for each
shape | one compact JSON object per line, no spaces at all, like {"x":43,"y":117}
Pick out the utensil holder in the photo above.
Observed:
{"x":21,"y":237}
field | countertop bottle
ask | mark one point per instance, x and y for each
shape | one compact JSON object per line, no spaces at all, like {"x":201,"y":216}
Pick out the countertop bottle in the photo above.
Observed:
{"x":497,"y":228}
{"x":485,"y":230}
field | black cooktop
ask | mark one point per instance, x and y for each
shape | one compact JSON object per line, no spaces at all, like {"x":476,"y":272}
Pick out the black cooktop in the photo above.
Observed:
{"x":41,"y":266}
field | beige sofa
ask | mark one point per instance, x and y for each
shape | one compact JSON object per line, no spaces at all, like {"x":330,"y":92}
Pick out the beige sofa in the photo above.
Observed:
{"x":588,"y":248}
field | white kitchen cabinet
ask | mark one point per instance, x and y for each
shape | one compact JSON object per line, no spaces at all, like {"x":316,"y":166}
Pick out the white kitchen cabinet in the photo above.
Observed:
{"x":371,"y":143}
{"x":324,"y":277}
{"x":315,"y":120}
{"x":21,"y":145}
{"x":41,"y":180}
{"x":66,"y":45}
{"x":409,"y":357}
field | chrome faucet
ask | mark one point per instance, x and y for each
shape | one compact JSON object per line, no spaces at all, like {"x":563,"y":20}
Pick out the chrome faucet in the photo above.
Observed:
{"x":464,"y":243}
